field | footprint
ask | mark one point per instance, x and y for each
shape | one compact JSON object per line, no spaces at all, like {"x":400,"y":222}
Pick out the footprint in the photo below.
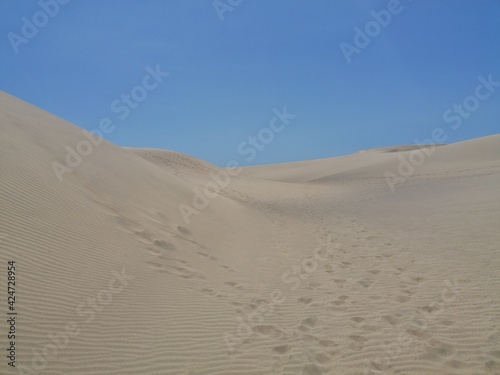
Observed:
{"x":155,"y":252}
{"x":456,"y":364}
{"x":314,"y":285}
{"x":398,"y":271}
{"x":309,"y":322}
{"x":429,"y":309}
{"x":357,"y":319}
{"x":178,"y":271}
{"x":143,"y":237}
{"x":164,"y":245}
{"x":109,"y":210}
{"x":402,"y":298}
{"x":322,"y":358}
{"x":391,"y":319}
{"x":311,"y":369}
{"x":268,"y":330}
{"x":417,"y":333}
{"x":305,"y":300}
{"x":440,"y":348}
{"x":156,"y":266}
{"x":448,"y":322}
{"x":378,"y":366}
{"x":130,"y":224}
{"x":183,"y":230}
{"x":162,"y":216}
{"x":495,"y":353}
{"x":327,"y":343}
{"x":370,"y":328}
{"x":281,"y":349}
{"x":208,"y":291}
{"x":375,"y":272}
{"x":365,"y":283}
{"x":176,"y":268}
{"x":357,"y":338}
{"x":234,"y":284}
{"x":492,"y":367}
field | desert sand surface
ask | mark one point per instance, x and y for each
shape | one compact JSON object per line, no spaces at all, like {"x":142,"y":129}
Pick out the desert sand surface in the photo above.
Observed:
{"x":313,"y":267}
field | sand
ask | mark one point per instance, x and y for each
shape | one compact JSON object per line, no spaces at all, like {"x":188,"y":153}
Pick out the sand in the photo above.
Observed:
{"x":315,"y":267}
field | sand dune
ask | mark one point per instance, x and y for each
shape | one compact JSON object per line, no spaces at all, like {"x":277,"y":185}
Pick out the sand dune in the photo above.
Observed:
{"x":315,"y":267}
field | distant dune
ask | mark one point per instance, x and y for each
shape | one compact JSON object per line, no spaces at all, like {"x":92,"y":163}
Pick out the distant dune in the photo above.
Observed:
{"x":142,"y":261}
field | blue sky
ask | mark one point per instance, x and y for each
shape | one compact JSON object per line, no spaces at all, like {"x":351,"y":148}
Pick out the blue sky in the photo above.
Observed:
{"x":226,"y":76}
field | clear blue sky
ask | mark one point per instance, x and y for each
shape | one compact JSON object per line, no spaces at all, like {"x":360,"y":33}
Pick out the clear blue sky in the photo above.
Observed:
{"x":225,"y":77}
